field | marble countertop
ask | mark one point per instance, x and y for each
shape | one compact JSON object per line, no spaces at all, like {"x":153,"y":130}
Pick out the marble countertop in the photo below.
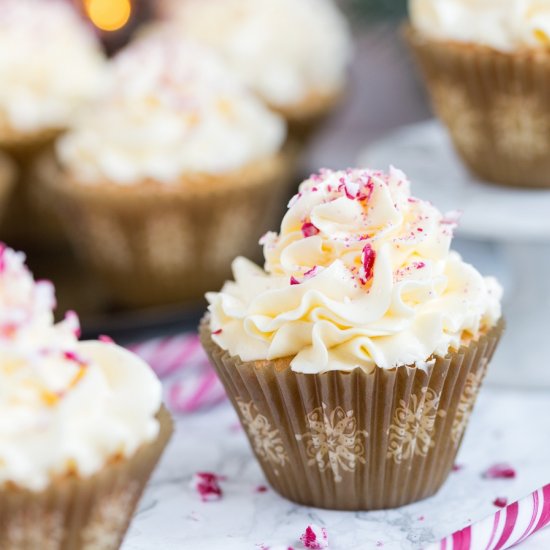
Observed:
{"x":507,"y":426}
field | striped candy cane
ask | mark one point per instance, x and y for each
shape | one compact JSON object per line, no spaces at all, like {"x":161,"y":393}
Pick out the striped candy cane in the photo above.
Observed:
{"x":508,"y":527}
{"x":191,"y":382}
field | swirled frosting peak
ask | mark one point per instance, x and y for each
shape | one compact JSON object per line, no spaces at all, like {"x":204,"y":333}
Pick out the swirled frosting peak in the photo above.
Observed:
{"x":360,"y":275}
{"x":66,"y":407}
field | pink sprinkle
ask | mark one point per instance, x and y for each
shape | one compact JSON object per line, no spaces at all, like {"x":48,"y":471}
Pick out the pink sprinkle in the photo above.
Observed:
{"x":419,"y":229}
{"x":312,"y":272}
{"x":207,"y":485}
{"x":500,"y":502}
{"x":500,"y":471}
{"x":420,"y":265}
{"x":8,"y":330}
{"x":421,"y":518}
{"x":457,"y":467}
{"x":72,"y":356}
{"x":368,"y":259}
{"x":294,"y":281}
{"x":315,"y":537}
{"x":106,"y":339}
{"x":261,"y":489}
{"x":216,"y":332}
{"x":309,"y":230}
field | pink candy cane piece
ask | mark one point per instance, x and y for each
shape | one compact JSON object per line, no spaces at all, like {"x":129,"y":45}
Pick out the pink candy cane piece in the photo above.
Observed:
{"x":315,"y":538}
{"x":168,"y":355}
{"x":196,"y":392}
{"x":506,"y":528}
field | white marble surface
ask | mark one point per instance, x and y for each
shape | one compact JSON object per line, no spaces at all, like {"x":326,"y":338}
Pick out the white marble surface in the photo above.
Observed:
{"x":507,"y":426}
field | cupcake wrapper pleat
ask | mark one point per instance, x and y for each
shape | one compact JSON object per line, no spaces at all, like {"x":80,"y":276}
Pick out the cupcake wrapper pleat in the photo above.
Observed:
{"x":81,"y":514}
{"x":357,"y":440}
{"x":155,"y":243}
{"x":495,"y":105}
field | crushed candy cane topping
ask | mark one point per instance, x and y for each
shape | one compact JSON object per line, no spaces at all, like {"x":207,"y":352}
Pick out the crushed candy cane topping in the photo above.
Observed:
{"x":360,"y":274}
{"x":207,"y":485}
{"x":500,"y":471}
{"x":314,"y":537}
{"x":500,"y":502}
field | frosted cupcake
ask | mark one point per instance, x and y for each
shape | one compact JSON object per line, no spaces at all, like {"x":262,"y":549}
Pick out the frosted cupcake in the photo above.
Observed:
{"x":51,"y":65}
{"x":172,"y":173}
{"x":81,"y":424}
{"x":354,"y":358}
{"x":487,"y":66}
{"x":293,"y":53}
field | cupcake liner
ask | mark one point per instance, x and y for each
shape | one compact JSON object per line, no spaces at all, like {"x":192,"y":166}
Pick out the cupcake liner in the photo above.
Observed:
{"x":305,"y":118}
{"x":355,"y":441}
{"x":7,"y":178}
{"x":28,"y":202}
{"x":494,"y":104}
{"x":81,"y":514}
{"x":154,"y":243}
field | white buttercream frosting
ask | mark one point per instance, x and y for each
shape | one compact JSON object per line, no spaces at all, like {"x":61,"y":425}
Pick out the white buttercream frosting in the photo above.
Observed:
{"x":50,"y":64}
{"x":66,"y":407}
{"x":172,"y":109}
{"x":360,"y":275}
{"x":502,"y":24}
{"x":284,"y":49}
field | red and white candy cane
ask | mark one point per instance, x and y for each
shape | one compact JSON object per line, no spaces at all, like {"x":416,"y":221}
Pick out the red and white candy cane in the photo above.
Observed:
{"x":508,"y":527}
{"x":192,"y":383}
{"x":167,"y":355}
{"x":196,"y":391}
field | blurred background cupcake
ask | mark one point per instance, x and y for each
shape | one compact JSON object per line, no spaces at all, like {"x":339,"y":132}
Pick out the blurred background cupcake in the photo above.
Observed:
{"x":173,"y":171}
{"x":50,"y":65}
{"x":293,"y":53}
{"x":487,"y":67}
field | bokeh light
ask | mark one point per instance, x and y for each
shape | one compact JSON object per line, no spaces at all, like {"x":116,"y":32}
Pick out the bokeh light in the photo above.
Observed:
{"x":108,"y":15}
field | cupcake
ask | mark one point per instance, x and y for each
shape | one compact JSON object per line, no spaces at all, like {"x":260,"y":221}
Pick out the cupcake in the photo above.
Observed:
{"x":487,"y":67}
{"x":172,"y":173}
{"x":51,"y":66}
{"x":81,"y":424}
{"x":354,"y":358}
{"x":293,"y":53}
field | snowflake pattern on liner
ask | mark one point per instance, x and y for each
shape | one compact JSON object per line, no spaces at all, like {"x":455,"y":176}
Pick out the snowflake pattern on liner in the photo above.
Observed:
{"x":466,"y":403}
{"x":413,"y":428}
{"x":265,"y":439}
{"x":109,"y":518}
{"x":34,"y":529}
{"x":333,"y":441}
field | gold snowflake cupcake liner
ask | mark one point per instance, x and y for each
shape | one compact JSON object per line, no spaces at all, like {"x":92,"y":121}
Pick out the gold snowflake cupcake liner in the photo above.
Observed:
{"x":81,"y":514}
{"x":494,"y":104}
{"x":352,"y":440}
{"x":305,"y":118}
{"x":154,"y":244}
{"x":27,"y":201}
